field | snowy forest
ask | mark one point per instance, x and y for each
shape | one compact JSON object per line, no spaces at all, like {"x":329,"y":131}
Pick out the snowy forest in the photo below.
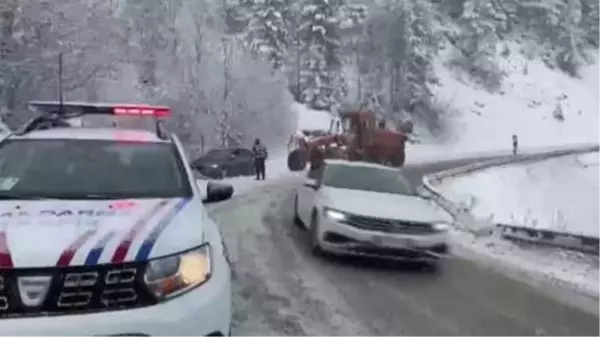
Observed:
{"x":231,"y":68}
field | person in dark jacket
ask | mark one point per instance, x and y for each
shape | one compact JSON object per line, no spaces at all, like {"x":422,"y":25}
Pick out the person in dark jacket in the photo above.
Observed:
{"x":260,"y":157}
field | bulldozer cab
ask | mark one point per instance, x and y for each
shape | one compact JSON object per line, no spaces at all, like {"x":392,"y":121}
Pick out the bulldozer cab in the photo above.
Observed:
{"x":356,"y":127}
{"x":355,"y":121}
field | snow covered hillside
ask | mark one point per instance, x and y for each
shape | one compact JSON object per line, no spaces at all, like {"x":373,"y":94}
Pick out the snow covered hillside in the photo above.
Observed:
{"x":524,"y":105}
{"x":559,"y":194}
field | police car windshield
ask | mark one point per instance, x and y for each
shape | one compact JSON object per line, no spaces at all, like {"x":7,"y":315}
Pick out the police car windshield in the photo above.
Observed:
{"x":366,"y":178}
{"x":91,"y":169}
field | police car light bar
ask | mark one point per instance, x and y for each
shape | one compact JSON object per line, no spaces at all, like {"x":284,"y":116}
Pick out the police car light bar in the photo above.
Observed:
{"x":153,"y":111}
{"x":56,"y":114}
{"x":86,"y":108}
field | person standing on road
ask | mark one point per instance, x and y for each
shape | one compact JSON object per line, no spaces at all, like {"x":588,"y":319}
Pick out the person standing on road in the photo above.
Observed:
{"x":260,"y":157}
{"x":515,"y":144}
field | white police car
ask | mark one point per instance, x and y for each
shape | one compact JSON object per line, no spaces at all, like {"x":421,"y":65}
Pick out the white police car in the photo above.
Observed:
{"x":103,"y":230}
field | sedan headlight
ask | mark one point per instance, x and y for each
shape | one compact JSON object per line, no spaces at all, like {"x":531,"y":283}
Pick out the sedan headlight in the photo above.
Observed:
{"x":173,"y":275}
{"x":334,"y":214}
{"x":441,"y":226}
{"x":214,"y":165}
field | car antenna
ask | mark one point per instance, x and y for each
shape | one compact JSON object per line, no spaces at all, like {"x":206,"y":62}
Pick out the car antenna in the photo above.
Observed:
{"x":60,"y":83}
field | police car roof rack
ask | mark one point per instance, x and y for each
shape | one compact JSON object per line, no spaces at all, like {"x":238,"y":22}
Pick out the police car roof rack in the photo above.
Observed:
{"x":55,"y":114}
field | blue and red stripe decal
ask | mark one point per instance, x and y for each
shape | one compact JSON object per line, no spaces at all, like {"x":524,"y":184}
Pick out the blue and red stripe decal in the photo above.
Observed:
{"x":67,"y":255}
{"x":5,"y":257}
{"x":94,"y":254}
{"x":146,"y":247}
{"x":125,"y":245}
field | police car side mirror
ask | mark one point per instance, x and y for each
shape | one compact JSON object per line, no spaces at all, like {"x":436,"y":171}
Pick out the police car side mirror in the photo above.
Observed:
{"x":217,"y":192}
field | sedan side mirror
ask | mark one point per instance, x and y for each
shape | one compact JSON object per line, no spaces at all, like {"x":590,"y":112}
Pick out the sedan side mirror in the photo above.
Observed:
{"x":217,"y":192}
{"x":311,"y":183}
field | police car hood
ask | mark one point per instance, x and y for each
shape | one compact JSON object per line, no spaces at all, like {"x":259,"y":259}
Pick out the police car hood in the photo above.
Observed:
{"x":70,"y":233}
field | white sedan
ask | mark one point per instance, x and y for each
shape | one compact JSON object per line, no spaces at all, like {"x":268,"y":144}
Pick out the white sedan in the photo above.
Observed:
{"x":357,"y":208}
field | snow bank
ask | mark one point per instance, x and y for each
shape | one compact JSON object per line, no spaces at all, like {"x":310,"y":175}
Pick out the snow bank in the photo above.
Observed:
{"x":565,"y":268}
{"x":560,"y":194}
{"x":524,"y":106}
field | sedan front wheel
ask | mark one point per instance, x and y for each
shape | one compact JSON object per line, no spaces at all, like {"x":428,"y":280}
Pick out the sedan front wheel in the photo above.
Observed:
{"x":297,"y":220}
{"x":315,"y":245}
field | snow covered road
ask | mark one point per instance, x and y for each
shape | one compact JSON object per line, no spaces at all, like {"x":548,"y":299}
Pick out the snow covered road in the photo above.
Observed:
{"x":281,"y":289}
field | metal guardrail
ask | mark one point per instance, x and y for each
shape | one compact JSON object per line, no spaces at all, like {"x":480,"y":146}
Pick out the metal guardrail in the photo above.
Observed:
{"x":466,"y":221}
{"x":582,"y":243}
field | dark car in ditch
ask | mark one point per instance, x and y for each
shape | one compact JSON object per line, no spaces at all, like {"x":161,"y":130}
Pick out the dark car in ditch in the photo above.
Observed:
{"x":226,"y":162}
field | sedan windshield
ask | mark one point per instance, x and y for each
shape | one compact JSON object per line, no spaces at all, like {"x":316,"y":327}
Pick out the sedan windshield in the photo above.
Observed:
{"x":366,"y":178}
{"x":90,"y":169}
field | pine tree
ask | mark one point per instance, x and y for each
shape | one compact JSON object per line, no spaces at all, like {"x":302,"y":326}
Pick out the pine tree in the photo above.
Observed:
{"x":590,"y":21}
{"x":267,"y":31}
{"x":541,"y":16}
{"x":423,"y":46}
{"x":570,"y":39}
{"x":373,"y":60}
{"x":322,"y":83}
{"x":561,"y":26}
{"x":480,"y":23}
{"x":352,"y":16}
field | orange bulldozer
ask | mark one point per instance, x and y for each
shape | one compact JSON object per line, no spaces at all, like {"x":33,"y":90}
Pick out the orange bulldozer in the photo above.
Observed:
{"x":357,"y":136}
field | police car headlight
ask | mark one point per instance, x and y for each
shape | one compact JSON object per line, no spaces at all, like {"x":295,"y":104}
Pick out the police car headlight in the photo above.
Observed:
{"x":334,"y":215}
{"x":173,"y":275}
{"x":441,"y":226}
